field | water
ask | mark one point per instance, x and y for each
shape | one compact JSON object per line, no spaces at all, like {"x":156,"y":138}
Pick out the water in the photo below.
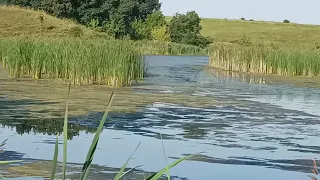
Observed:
{"x":254,"y":131}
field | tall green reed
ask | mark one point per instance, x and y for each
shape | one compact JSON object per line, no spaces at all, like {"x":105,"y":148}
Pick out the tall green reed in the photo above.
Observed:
{"x":265,"y":60}
{"x":83,"y":61}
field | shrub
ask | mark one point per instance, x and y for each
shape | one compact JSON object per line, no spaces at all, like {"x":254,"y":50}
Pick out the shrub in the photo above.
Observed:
{"x":75,"y":31}
{"x":160,"y":33}
{"x":185,"y":28}
{"x":251,"y":20}
{"x":286,"y":21}
{"x":243,"y":19}
{"x":143,"y":29}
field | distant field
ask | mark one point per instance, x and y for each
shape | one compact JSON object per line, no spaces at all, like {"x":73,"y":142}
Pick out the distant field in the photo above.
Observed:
{"x":289,"y":35}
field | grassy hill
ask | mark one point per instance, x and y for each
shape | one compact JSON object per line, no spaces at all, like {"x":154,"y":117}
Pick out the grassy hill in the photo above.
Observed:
{"x":25,"y":22}
{"x":281,"y":34}
{"x":290,"y":35}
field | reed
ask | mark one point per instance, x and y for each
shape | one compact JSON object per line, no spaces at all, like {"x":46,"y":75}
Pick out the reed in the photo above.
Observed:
{"x":167,"y":48}
{"x":265,"y":60}
{"x":83,"y":61}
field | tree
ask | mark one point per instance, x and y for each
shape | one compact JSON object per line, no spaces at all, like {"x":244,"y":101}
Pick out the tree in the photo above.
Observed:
{"x":122,"y":13}
{"x":160,"y":33}
{"x":243,"y":19}
{"x":22,"y":3}
{"x":58,"y":8}
{"x":143,"y":28}
{"x":286,"y":21}
{"x":116,"y":16}
{"x":185,"y":28}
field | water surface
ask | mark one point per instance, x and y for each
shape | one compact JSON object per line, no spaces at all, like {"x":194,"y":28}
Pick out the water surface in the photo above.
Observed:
{"x":250,"y":130}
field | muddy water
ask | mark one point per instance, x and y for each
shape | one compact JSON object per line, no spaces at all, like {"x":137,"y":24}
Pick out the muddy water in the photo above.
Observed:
{"x":244,"y":127}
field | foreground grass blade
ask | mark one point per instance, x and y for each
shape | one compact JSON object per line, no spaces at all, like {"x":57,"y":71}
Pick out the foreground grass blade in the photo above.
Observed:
{"x":120,"y":173}
{"x":1,"y":177}
{"x":165,"y":157}
{"x":89,"y":158}
{"x":3,"y":143}
{"x":9,"y":162}
{"x":129,"y":171}
{"x":65,"y":138}
{"x":157,"y":175}
{"x":54,"y":161}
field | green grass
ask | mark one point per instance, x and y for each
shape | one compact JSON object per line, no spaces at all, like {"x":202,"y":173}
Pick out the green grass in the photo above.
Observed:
{"x":18,"y":21}
{"x":280,"y":34}
{"x":83,"y":61}
{"x":287,"y":35}
{"x":265,"y":60}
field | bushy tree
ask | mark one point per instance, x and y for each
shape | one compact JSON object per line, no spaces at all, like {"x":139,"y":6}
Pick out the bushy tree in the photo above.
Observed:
{"x":58,"y":8}
{"x":243,"y":19}
{"x":143,"y":28}
{"x":185,"y":28}
{"x":23,"y":3}
{"x":286,"y":21}
{"x":160,"y":33}
{"x":116,"y":16}
{"x":122,"y":13}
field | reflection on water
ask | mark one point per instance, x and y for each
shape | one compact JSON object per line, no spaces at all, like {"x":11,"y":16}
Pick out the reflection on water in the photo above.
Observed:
{"x":257,"y":130}
{"x":25,"y":122}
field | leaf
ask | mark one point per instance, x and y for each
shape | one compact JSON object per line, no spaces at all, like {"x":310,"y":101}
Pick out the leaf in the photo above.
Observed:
{"x":119,"y":175}
{"x":9,"y":162}
{"x":54,"y":161}
{"x":89,"y":158}
{"x":65,"y":137}
{"x":157,"y":175}
{"x":165,"y":157}
{"x":3,"y":143}
{"x":128,"y":171}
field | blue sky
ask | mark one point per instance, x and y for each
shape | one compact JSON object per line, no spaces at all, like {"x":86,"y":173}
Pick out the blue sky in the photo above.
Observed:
{"x":299,"y":11}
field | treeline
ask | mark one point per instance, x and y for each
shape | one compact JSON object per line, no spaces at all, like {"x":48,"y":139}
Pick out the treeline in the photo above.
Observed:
{"x":132,"y":19}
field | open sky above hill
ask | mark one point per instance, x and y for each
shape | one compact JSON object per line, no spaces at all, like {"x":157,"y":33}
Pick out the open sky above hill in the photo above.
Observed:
{"x":298,"y":11}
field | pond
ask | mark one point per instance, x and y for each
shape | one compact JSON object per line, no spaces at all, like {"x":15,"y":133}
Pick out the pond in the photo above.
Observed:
{"x":242,"y":126}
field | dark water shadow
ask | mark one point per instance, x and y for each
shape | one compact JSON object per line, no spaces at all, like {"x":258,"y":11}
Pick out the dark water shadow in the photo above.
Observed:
{"x":13,"y":115}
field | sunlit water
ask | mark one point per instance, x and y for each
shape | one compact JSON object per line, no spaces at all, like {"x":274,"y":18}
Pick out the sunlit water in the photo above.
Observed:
{"x":267,"y":132}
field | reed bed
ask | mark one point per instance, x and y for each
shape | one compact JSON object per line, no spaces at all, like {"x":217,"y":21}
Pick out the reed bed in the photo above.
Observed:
{"x":167,"y":48}
{"x":83,"y":61}
{"x":265,"y":60}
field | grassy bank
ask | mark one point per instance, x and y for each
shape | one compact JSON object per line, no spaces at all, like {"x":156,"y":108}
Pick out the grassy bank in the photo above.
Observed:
{"x":281,"y":34}
{"x":265,"y":60}
{"x":288,"y":35}
{"x":81,"y":61}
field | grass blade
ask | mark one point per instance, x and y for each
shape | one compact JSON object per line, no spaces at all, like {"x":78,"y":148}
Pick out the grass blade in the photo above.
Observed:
{"x":1,"y":177}
{"x":120,"y":173}
{"x":65,"y":138}
{"x":87,"y":172}
{"x":9,"y":162}
{"x":3,"y":143}
{"x":54,"y":161}
{"x":157,"y":175}
{"x":89,"y":158}
{"x":129,"y":171}
{"x":165,"y":157}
